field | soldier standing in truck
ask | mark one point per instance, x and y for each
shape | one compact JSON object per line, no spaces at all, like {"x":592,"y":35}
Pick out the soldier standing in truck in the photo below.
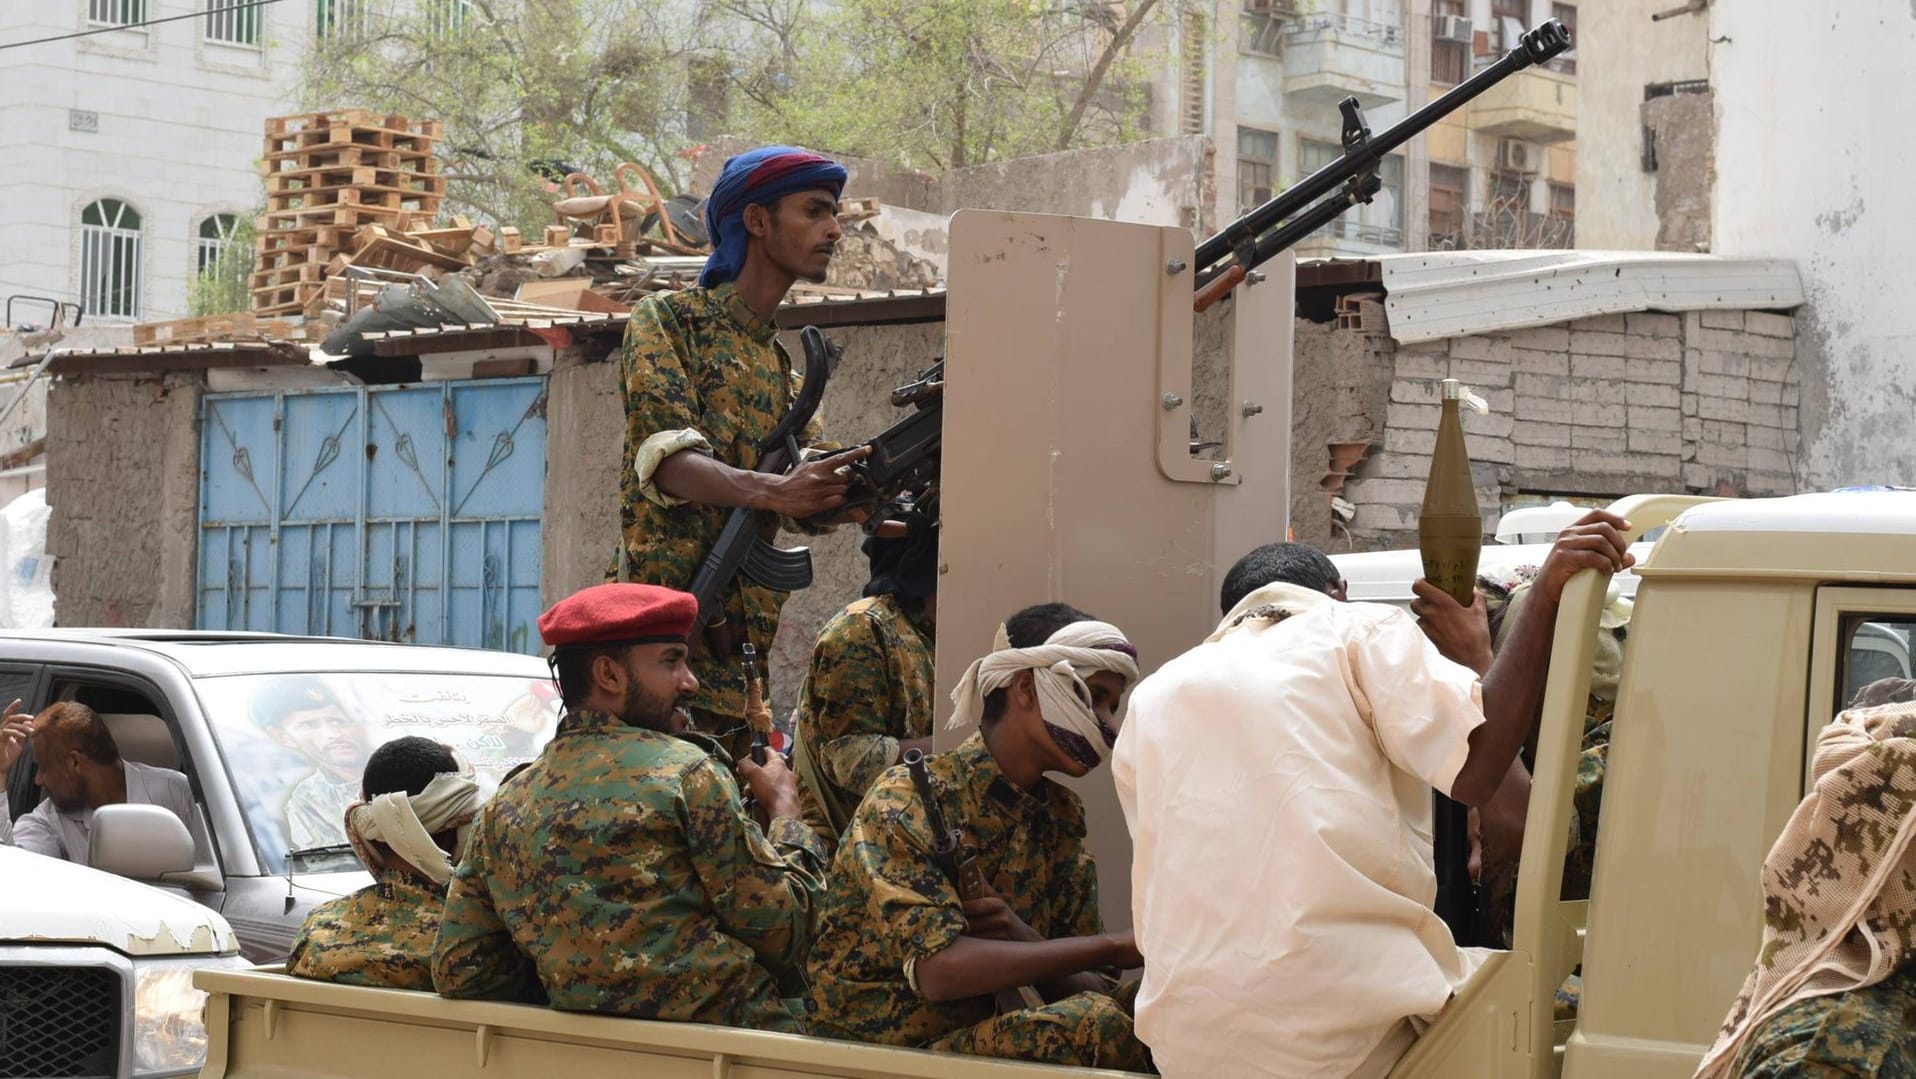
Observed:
{"x":705,"y":380}
{"x":621,"y":873}
{"x":902,"y":958}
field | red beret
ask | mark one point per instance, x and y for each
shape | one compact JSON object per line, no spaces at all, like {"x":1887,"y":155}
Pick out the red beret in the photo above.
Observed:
{"x":620,"y":614}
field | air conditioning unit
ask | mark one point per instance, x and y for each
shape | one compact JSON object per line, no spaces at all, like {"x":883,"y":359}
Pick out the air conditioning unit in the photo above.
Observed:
{"x":1452,"y":28}
{"x":1515,"y":155}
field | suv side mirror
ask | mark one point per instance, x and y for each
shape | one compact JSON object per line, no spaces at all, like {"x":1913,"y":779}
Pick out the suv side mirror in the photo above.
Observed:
{"x":140,"y":842}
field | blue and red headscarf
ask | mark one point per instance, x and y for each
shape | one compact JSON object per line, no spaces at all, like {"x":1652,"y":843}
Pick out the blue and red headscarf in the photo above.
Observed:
{"x":766,"y":174}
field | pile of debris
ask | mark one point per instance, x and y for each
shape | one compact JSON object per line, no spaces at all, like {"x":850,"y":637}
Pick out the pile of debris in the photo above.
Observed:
{"x":328,"y":176}
{"x":351,"y":246}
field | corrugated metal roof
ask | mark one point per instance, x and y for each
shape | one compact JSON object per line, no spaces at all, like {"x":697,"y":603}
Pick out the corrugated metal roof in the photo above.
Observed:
{"x":1458,"y":293}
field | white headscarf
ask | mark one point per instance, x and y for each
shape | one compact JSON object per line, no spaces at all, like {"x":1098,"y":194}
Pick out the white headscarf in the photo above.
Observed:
{"x":1059,"y":668}
{"x":407,"y":824}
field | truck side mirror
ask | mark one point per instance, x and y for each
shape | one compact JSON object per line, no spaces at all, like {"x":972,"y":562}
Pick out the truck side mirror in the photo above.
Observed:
{"x":140,"y":842}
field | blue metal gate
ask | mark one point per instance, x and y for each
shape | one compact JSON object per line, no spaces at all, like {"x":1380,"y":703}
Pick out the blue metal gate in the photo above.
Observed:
{"x":389,"y":513}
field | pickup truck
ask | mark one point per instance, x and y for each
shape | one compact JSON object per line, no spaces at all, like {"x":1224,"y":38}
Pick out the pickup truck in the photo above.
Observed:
{"x":96,"y":969}
{"x":272,"y":732}
{"x":1743,"y":644}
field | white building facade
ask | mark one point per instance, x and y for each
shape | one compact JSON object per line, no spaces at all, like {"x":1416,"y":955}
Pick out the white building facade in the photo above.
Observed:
{"x":1264,"y":78}
{"x":128,"y":156}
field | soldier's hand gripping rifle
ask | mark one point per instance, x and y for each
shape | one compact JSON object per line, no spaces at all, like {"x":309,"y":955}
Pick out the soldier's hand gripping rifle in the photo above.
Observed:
{"x":904,"y":456}
{"x":1242,"y":246}
{"x":960,"y":866}
{"x":740,"y":548}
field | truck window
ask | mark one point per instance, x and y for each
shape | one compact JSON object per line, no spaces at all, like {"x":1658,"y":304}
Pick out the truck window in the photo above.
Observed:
{"x":17,"y":791}
{"x":1877,"y":647}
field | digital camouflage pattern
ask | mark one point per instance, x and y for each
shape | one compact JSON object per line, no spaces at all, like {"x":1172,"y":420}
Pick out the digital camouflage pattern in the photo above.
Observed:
{"x":870,"y":687}
{"x":890,"y":902}
{"x":380,"y":936}
{"x":702,"y":359}
{"x":1839,"y":904}
{"x":1862,"y":1032}
{"x":619,"y":873}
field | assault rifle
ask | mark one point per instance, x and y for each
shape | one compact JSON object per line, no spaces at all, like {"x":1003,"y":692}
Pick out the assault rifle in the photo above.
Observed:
{"x":740,"y":547}
{"x":904,"y":456}
{"x":1240,"y":247}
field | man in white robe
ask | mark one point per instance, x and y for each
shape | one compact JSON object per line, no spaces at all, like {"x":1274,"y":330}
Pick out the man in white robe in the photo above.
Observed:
{"x":1277,"y":782}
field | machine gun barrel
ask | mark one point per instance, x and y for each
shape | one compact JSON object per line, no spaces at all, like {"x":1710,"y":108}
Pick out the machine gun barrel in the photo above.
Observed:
{"x":1536,"y":47}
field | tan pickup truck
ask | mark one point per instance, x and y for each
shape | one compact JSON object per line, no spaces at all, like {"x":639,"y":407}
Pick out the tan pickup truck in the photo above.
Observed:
{"x":1741,"y":647}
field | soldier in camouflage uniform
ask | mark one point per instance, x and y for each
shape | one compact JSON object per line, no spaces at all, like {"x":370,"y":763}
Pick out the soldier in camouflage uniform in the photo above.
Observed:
{"x":901,"y":959}
{"x":705,"y":380}
{"x":868,"y":695}
{"x":1833,"y":990}
{"x":620,"y":873}
{"x":383,"y":935}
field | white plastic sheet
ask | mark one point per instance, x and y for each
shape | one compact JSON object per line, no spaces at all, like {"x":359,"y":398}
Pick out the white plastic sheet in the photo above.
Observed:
{"x":26,"y":574}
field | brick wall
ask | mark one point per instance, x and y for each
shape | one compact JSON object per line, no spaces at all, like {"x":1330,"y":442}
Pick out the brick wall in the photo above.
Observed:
{"x":1603,"y":407}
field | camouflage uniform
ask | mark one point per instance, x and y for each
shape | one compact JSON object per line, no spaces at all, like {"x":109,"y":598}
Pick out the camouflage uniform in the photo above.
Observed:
{"x":870,"y":687}
{"x":620,"y":874}
{"x":1870,"y":1031}
{"x":889,"y":902}
{"x":702,"y":359}
{"x":380,"y":936}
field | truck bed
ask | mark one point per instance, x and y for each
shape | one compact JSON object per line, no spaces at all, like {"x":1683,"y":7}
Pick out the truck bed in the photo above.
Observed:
{"x":264,"y":1023}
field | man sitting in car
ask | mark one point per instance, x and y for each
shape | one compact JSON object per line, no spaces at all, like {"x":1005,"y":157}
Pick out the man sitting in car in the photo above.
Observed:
{"x":415,"y":802}
{"x":78,"y":765}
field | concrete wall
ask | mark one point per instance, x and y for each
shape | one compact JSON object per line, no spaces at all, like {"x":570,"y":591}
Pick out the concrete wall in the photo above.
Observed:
{"x":179,"y":123}
{"x":582,"y":477}
{"x":123,"y":468}
{"x":1811,"y":175}
{"x":1620,"y":51}
{"x":1609,"y":406}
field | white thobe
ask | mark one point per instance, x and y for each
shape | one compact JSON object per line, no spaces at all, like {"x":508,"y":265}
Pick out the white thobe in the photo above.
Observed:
{"x":1277,"y":783}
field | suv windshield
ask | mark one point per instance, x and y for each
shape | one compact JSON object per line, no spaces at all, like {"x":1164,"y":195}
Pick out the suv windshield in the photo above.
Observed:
{"x":296,"y":744}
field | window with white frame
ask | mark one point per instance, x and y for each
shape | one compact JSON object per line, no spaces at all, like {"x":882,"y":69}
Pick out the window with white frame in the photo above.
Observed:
{"x":343,"y":18}
{"x":445,"y":18}
{"x":116,"y":12}
{"x":110,"y":259}
{"x":215,"y":241}
{"x":235,"y":22}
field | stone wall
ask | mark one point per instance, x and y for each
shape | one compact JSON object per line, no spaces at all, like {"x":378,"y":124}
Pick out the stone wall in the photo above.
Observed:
{"x":123,"y":467}
{"x":585,"y":449}
{"x":1601,"y":407}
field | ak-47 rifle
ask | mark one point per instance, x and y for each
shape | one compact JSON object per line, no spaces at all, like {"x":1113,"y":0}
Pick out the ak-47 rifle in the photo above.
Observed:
{"x":740,"y":547}
{"x":1266,"y":230}
{"x":960,"y":864}
{"x":947,"y":844}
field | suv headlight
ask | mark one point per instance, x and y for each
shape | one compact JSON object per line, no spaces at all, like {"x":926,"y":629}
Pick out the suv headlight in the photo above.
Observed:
{"x":169,"y":1016}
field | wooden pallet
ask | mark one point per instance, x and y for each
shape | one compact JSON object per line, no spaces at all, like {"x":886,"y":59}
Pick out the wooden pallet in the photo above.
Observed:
{"x":339,"y":138}
{"x":352,"y":156}
{"x":290,"y":274}
{"x":181,"y":331}
{"x":391,"y":198}
{"x":312,"y":121}
{"x":355,"y":176}
{"x":350,"y":217}
{"x":270,"y":243}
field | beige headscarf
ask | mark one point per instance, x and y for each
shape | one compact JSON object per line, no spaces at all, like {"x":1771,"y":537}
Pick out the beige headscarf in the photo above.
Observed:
{"x":407,"y":824}
{"x":1839,"y":886}
{"x":1059,"y":667}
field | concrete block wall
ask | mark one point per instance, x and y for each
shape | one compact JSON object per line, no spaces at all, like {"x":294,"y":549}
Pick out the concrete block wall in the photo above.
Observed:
{"x":1600,"y":407}
{"x":123,"y":464}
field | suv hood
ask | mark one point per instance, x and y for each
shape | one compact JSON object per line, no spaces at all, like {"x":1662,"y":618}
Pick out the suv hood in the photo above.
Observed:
{"x":52,"y":901}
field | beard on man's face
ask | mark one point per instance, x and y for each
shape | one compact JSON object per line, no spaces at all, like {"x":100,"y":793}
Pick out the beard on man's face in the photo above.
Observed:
{"x":648,"y":710}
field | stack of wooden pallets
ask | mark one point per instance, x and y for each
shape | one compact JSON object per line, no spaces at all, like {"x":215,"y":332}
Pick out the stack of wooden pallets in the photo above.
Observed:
{"x":327,"y":175}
